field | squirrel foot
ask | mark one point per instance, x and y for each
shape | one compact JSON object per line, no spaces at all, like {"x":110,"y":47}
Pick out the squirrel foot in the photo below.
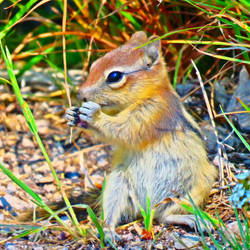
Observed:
{"x":111,"y":237}
{"x":189,"y":220}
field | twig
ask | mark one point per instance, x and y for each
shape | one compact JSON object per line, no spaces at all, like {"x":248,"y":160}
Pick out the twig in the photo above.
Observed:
{"x":92,"y":37}
{"x":84,"y":169}
{"x":64,"y":50}
{"x":30,"y":11}
{"x":213,"y":124}
{"x":233,"y":113}
{"x":66,"y":85}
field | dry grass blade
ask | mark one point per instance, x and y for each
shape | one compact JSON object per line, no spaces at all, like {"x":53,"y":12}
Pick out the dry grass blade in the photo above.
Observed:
{"x":29,"y":12}
{"x":210,"y":112}
{"x":13,"y":5}
{"x":92,"y":37}
{"x":232,"y":113}
{"x":64,"y":51}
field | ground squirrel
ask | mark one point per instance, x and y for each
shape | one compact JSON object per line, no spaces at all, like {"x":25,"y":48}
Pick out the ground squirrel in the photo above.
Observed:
{"x":128,"y":101}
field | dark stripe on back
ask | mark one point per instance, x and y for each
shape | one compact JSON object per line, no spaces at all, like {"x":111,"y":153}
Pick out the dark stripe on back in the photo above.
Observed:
{"x":176,"y":118}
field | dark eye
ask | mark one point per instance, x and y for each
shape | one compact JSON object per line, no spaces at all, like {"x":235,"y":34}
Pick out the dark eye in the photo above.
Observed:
{"x":114,"y":76}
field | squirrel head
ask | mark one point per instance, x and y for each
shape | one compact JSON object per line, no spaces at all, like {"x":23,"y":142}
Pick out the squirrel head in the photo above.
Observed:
{"x":126,"y":75}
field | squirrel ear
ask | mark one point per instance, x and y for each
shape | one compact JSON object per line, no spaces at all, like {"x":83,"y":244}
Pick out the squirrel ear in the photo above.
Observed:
{"x":138,"y":36}
{"x":153,"y":49}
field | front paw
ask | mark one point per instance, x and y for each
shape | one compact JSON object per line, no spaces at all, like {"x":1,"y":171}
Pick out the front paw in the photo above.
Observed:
{"x":72,"y":115}
{"x":89,"y":111}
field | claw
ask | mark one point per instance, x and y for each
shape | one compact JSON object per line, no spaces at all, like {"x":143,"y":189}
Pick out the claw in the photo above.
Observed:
{"x":72,"y":115}
{"x":71,"y":124}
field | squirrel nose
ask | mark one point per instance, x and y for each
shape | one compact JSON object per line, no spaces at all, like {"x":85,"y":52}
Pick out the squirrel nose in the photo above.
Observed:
{"x":82,"y":96}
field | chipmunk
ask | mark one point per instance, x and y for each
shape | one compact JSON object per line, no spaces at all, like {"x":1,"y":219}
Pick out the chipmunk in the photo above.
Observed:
{"x":128,"y":101}
{"x":158,"y":151}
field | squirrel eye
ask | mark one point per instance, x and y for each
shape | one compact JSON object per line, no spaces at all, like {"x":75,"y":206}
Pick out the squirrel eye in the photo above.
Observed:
{"x":114,"y":76}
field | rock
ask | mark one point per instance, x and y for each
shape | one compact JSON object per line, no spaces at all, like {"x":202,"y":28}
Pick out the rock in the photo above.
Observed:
{"x":15,"y":203}
{"x":221,"y":95}
{"x":209,"y":138}
{"x":43,"y":126}
{"x":27,"y":143}
{"x":11,"y":188}
{"x":49,"y":188}
{"x":243,"y":93}
{"x":46,"y":179}
{"x":233,"y":229}
{"x":241,"y":158}
{"x":184,"y":88}
{"x":16,"y":122}
{"x":186,"y":241}
{"x":10,"y":246}
{"x":159,"y":246}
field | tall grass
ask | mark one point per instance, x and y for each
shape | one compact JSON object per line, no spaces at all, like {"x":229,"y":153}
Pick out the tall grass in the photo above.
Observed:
{"x":196,"y":28}
{"x":77,"y":231}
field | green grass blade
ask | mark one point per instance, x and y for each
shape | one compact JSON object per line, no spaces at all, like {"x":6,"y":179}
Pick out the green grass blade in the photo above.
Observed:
{"x":131,"y":19}
{"x":22,"y":185}
{"x":199,"y":8}
{"x":33,"y":61}
{"x":203,"y":214}
{"x":231,"y":240}
{"x":18,"y":15}
{"x":242,"y":233}
{"x":4,"y":81}
{"x":97,"y":225}
{"x":33,"y":128}
{"x":94,"y":219}
{"x":147,"y":213}
{"x":28,"y":232}
{"x":243,"y":37}
{"x":177,"y":67}
{"x":246,"y":3}
{"x":243,"y":105}
{"x":35,"y":196}
{"x":143,"y":213}
{"x":103,"y":188}
{"x":236,"y":131}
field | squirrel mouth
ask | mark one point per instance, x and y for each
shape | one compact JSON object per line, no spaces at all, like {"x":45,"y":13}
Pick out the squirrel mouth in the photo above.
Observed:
{"x":103,"y":104}
{"x":110,"y":108}
{"x":107,"y":104}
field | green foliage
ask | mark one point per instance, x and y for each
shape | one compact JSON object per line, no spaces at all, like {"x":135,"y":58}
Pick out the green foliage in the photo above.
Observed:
{"x":227,"y":26}
{"x":226,"y":238}
{"x":23,"y":10}
{"x":147,"y":215}
{"x":33,"y":128}
{"x":177,"y":67}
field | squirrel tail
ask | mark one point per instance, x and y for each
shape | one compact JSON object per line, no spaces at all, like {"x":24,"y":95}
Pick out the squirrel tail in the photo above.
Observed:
{"x":91,"y":198}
